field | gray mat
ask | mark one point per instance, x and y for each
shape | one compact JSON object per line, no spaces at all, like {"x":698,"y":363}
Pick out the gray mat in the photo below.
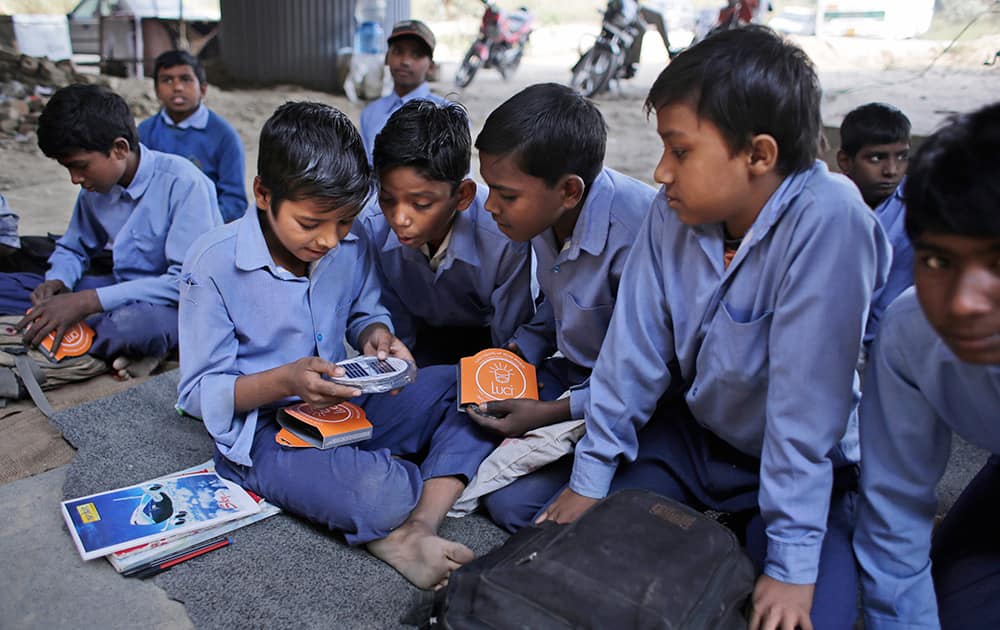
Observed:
{"x":281,"y":572}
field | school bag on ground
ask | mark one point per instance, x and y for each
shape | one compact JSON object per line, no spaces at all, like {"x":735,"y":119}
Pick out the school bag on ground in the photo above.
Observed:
{"x":25,"y":373}
{"x":634,"y":560}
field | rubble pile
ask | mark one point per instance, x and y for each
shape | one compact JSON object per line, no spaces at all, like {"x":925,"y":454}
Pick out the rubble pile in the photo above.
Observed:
{"x":26,"y":83}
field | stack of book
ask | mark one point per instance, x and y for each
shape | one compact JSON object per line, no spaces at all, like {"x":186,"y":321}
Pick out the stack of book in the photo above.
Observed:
{"x":149,"y":527}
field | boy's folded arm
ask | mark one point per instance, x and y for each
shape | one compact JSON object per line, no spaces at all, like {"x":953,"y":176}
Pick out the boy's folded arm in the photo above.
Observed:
{"x":632,"y":369}
{"x":823,"y":299}
{"x":161,"y":289}
{"x":232,"y":187}
{"x":905,"y":448}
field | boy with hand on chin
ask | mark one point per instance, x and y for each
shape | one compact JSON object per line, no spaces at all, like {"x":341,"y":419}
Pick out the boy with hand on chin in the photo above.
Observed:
{"x":184,"y":126}
{"x":934,"y":371}
{"x":266,"y":302}
{"x":727,"y":377}
{"x":410,"y":57}
{"x":453,"y":283}
{"x":145,"y":206}
{"x":542,"y":155}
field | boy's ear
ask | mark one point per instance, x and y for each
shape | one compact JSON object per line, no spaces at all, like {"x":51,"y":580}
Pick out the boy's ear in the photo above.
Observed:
{"x":120,"y":148}
{"x":466,"y":193}
{"x":572,"y":189}
{"x":261,"y":194}
{"x":203,"y":89}
{"x":843,"y":161}
{"x":763,"y":154}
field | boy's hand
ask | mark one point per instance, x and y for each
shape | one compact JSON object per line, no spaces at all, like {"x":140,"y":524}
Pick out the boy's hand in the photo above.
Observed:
{"x":781,"y":606}
{"x":305,"y":380}
{"x":47,"y":289}
{"x":567,"y":508}
{"x":377,"y":341}
{"x":57,"y":313}
{"x":514,"y":417}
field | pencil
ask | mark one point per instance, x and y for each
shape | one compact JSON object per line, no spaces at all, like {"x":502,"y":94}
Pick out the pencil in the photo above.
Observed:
{"x":159,"y":566}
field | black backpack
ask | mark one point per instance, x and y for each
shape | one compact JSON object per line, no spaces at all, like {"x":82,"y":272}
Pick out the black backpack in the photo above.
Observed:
{"x":634,"y":560}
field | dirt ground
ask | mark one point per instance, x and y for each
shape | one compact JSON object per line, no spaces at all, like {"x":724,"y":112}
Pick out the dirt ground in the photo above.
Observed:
{"x":852,"y":71}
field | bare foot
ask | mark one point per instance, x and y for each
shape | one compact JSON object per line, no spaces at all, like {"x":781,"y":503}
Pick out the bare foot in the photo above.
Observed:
{"x":420,"y":555}
{"x":135,"y":368}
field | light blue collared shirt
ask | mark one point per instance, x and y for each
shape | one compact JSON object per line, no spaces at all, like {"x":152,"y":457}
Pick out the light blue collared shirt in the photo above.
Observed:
{"x":242,"y":314}
{"x":483,"y":280}
{"x":917,"y":394}
{"x":212,"y":144}
{"x":766,"y":349}
{"x":148,"y":226}
{"x":374,"y":117}
{"x":891,"y":214}
{"x":579,"y":282}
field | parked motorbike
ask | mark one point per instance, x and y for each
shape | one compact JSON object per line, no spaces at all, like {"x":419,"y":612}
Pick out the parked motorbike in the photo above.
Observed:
{"x":500,"y":44}
{"x":615,"y":53}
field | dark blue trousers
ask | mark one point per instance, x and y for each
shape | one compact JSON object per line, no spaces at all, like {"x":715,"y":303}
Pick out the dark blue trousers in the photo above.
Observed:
{"x":135,"y":329}
{"x":965,"y":555}
{"x":679,"y":459}
{"x":367,"y":489}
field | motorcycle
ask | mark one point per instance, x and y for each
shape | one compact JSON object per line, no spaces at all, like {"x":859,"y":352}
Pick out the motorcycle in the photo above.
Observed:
{"x":615,"y":53}
{"x":500,"y":44}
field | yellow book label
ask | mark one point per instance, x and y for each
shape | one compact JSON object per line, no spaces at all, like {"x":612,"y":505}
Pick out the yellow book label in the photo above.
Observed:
{"x":88,"y":513}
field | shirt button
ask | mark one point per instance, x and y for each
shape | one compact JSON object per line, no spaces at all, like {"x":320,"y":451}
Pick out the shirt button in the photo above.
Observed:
{"x":694,"y":392}
{"x":555,"y":269}
{"x":319,"y":336}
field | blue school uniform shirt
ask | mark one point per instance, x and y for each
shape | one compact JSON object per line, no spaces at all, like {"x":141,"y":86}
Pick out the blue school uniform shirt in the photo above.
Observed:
{"x":212,"y":144}
{"x":917,"y":394}
{"x":891,"y":214}
{"x":579,"y":281}
{"x":765,"y":350}
{"x":240,"y":313}
{"x":374,"y":117}
{"x":148,"y":225}
{"x":483,"y":280}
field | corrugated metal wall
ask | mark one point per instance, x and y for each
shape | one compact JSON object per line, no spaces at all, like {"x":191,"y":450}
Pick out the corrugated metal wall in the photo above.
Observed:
{"x":292,"y":41}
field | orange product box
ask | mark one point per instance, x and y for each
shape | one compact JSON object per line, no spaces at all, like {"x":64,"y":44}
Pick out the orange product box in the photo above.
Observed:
{"x":495,"y":374}
{"x":303,"y":425}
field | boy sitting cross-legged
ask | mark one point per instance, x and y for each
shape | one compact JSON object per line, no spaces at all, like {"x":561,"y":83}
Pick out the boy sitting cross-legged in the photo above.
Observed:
{"x":453,"y":283}
{"x":727,"y":377}
{"x":146,"y":207}
{"x":934,"y":372}
{"x":266,"y":302}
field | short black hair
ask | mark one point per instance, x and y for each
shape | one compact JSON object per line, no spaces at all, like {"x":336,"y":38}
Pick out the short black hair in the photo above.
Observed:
{"x":82,"y":117}
{"x":749,"y":81}
{"x":951,"y":184}
{"x":313,"y":151}
{"x":873,"y":123}
{"x":550,"y":130}
{"x":173,"y":58}
{"x":434,"y":139}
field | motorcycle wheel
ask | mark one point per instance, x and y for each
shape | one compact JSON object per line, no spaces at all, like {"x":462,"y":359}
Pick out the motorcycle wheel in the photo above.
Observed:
{"x":593,"y":72}
{"x":468,"y":69}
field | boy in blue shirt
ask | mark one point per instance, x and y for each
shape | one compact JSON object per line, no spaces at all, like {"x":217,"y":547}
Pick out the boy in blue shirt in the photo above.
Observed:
{"x":145,"y":206}
{"x":453,"y":283}
{"x":541,"y":153}
{"x":185,"y":127}
{"x":266,"y":302}
{"x":727,"y":376}
{"x":934,"y":372}
{"x":410,"y":57}
{"x":874,"y":154}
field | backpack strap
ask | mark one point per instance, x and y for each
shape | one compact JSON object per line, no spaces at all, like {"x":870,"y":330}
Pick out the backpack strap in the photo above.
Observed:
{"x":32,"y":377}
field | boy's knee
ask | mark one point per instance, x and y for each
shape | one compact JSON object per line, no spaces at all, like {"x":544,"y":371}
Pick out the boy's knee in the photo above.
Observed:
{"x":507,"y":509}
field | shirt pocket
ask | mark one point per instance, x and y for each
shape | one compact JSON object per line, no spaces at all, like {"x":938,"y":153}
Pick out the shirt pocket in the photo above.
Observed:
{"x":582,"y":330}
{"x":736,"y":352}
